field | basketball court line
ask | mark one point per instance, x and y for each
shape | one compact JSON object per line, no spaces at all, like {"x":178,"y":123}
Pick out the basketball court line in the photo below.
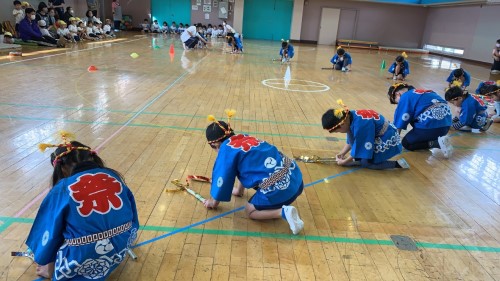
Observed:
{"x":66,"y":53}
{"x":162,"y":93}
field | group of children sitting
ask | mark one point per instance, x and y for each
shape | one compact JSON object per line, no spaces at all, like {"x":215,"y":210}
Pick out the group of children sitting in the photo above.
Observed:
{"x":42,"y":29}
{"x":207,"y":31}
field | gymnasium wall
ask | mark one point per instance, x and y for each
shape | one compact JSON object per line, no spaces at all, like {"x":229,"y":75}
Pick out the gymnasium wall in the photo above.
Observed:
{"x":388,"y":24}
{"x":199,"y":16}
{"x":472,"y":28}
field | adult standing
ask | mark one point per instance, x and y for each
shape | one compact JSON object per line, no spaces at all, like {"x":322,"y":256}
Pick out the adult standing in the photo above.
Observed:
{"x":93,"y":5}
{"x":58,"y":6}
{"x":117,"y":14}
{"x":495,"y":68}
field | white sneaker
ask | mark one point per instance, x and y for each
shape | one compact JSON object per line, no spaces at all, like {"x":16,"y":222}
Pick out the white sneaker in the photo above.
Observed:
{"x":445,"y":145}
{"x":293,"y":219}
{"x":495,"y":72}
{"x":344,"y":69}
{"x":402,"y":162}
{"x":436,"y":152}
{"x":486,"y":126}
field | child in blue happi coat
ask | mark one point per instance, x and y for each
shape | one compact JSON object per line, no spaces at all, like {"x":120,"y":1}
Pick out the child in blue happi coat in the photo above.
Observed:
{"x":286,"y":51}
{"x":459,"y":75}
{"x":341,"y":60}
{"x":400,"y":68}
{"x":257,"y":164}
{"x":473,"y":116}
{"x":371,"y":139}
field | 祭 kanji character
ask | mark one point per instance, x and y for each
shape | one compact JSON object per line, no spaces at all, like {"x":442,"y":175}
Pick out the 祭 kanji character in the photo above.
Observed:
{"x":244,"y":142}
{"x":368,"y":114}
{"x":98,"y":192}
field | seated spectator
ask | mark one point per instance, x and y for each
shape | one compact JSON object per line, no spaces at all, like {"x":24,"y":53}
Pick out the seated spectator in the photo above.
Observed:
{"x":7,"y":38}
{"x":45,"y":33}
{"x":29,"y":30}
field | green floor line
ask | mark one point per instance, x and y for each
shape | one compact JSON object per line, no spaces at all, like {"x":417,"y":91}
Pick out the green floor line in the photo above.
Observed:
{"x":154,"y":126}
{"x":198,"y":129}
{"x":151,"y":113}
{"x":7,"y":221}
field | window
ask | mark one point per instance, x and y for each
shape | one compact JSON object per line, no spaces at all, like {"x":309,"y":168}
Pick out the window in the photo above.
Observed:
{"x":444,"y":50}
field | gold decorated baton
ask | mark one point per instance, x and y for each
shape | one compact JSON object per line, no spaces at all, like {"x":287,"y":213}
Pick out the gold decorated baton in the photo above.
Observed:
{"x":185,"y":187}
{"x":315,"y":159}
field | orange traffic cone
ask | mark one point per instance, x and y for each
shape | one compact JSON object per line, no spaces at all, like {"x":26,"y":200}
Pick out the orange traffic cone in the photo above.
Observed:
{"x":172,"y":50}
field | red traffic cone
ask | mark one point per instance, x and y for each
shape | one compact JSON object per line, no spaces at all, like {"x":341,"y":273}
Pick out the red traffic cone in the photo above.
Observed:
{"x":172,"y":50}
{"x":92,"y":68}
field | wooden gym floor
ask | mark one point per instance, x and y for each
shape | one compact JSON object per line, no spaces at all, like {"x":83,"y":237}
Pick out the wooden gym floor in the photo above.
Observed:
{"x":147,"y":117}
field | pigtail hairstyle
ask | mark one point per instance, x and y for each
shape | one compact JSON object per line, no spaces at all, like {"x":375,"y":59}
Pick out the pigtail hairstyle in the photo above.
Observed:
{"x":219,"y":131}
{"x":391,"y":93}
{"x":334,"y":118}
{"x":70,"y":153}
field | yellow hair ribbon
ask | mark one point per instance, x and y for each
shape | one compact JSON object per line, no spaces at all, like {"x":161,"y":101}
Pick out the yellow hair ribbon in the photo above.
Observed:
{"x":404,"y":55}
{"x":66,"y":135}
{"x":339,"y":47}
{"x":211,"y":118}
{"x":338,"y":112}
{"x":456,"y":83}
{"x":44,"y":146}
{"x":230,"y":113}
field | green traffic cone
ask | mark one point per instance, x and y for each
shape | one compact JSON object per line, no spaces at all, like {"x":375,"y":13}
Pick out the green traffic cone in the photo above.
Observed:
{"x":382,"y":65}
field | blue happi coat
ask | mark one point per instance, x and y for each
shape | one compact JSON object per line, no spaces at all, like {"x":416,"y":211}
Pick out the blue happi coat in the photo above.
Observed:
{"x":405,"y":68}
{"x":466,"y":82}
{"x":372,"y":137}
{"x":85,"y":207}
{"x":472,"y":113}
{"x":336,"y":59}
{"x":290,"y":51}
{"x":423,"y":109}
{"x":252,"y":160}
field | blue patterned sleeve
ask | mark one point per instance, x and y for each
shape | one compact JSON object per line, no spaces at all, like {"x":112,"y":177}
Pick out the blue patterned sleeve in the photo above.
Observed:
{"x":135,"y":219}
{"x":407,"y":68}
{"x":46,"y":234}
{"x":467,"y":79}
{"x":224,"y":174}
{"x":392,"y":68}
{"x":364,"y":138}
{"x":450,"y":77}
{"x":334,"y":59}
{"x":467,"y":114}
{"x":478,"y":90}
{"x":404,"y":112}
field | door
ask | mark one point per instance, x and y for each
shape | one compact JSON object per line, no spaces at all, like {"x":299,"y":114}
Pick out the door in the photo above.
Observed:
{"x":329,"y":26}
{"x":171,"y":10}
{"x":267,"y":19}
{"x":347,"y":24}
